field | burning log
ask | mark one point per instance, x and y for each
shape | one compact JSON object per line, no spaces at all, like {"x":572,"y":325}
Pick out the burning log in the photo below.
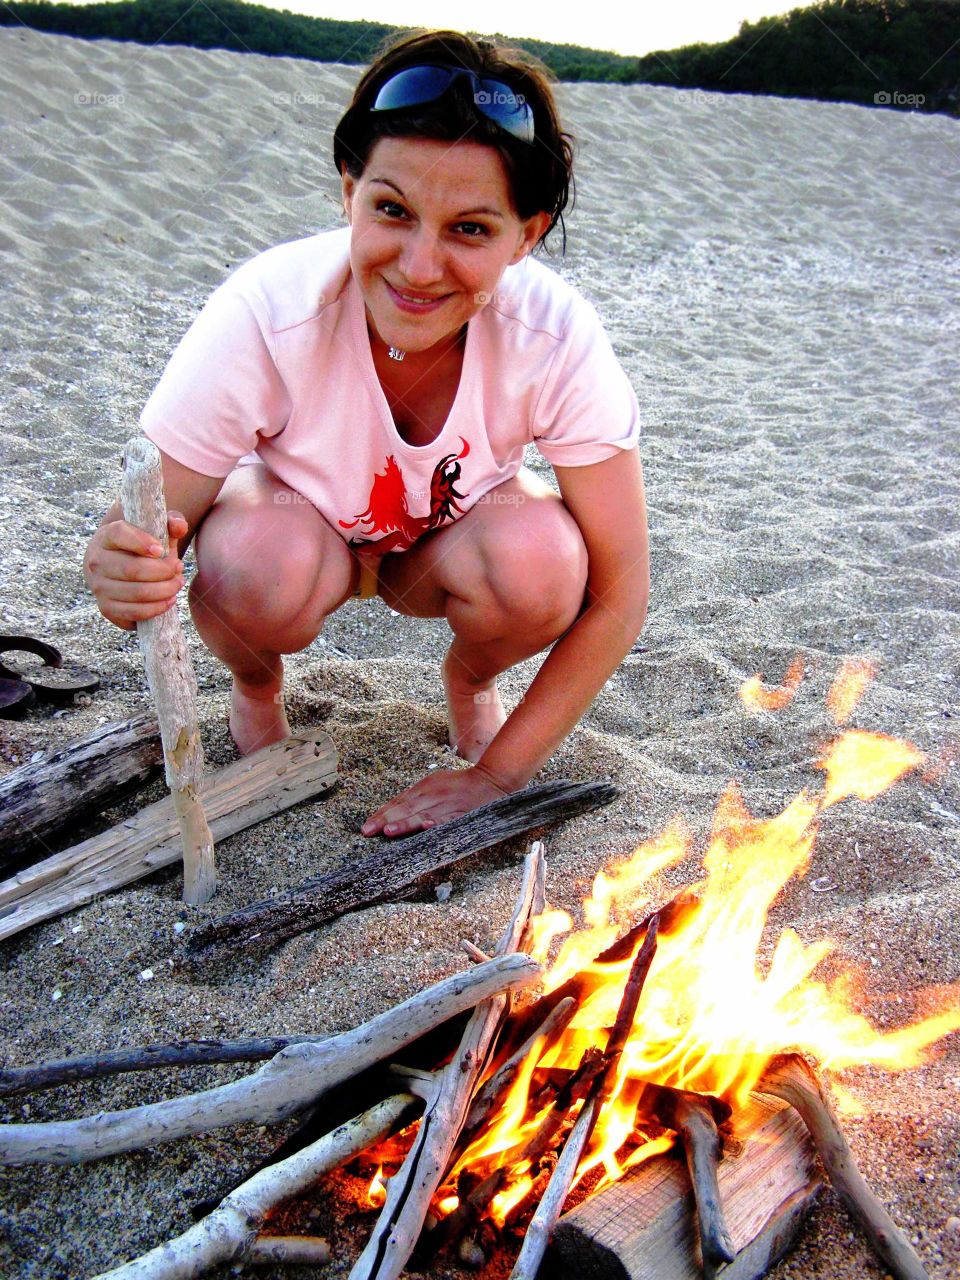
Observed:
{"x":231,"y":1231}
{"x":551,"y":1205}
{"x":411,"y":1189}
{"x":694,"y":1118}
{"x":296,"y":1077}
{"x":580,"y":984}
{"x":396,"y":868}
{"x":73,"y":782}
{"x":789,"y":1077}
{"x":642,"y":1227}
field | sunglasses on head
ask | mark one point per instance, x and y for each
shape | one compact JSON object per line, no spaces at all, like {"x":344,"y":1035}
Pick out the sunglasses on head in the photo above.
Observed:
{"x":416,"y":86}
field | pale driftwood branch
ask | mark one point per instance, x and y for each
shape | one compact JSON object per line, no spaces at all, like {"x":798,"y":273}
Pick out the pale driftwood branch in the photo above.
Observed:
{"x":231,"y":1230}
{"x":551,"y":1205}
{"x":234,"y":798}
{"x":397,"y":867}
{"x":68,"y":784}
{"x":789,"y":1077}
{"x":171,"y":678}
{"x":475,"y":954}
{"x":297,"y":1076}
{"x":288,"y":1251}
{"x":412,"y":1187}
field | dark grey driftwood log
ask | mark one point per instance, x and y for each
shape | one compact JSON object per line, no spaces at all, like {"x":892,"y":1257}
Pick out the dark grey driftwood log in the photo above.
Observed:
{"x":114,"y":1062}
{"x":67,"y":785}
{"x":396,"y":867}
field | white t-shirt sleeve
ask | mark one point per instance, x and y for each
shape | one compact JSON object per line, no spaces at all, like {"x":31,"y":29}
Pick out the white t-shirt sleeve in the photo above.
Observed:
{"x":221,"y":390}
{"x":587,"y":409}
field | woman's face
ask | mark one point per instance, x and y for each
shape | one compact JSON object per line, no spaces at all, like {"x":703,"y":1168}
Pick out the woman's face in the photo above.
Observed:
{"x":433,"y":228}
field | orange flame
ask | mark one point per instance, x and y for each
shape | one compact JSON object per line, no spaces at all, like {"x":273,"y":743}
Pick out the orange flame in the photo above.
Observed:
{"x":848,"y":687}
{"x":377,"y":1191}
{"x":711,"y":1015}
{"x":755,"y":697}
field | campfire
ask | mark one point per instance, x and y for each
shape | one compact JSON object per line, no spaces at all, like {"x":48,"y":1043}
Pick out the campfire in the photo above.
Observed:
{"x":646,"y":1037}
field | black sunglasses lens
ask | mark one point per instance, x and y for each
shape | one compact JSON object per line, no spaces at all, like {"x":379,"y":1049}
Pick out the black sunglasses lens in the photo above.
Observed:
{"x":412,"y":87}
{"x":499,"y":103}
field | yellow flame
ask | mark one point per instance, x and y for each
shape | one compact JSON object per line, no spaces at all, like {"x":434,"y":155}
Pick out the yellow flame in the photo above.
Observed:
{"x":849,"y":686}
{"x":865,"y":764}
{"x":755,"y":697}
{"x":377,"y":1191}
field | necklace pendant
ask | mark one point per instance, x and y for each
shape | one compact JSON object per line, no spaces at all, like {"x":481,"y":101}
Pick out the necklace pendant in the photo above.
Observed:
{"x":395,"y":353}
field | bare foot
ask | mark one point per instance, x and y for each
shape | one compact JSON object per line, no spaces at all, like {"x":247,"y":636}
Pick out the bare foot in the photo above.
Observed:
{"x":257,"y":719}
{"x":474,"y":714}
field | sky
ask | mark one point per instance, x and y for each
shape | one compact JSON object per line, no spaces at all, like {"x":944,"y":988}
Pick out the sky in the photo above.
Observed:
{"x":641,"y":27}
{"x":637,"y":28}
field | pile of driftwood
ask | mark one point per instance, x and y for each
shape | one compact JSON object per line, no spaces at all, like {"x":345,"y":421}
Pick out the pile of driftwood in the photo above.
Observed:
{"x":732,"y":1217}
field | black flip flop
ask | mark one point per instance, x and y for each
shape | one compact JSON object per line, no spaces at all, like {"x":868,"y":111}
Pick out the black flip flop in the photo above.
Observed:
{"x":55,"y":681}
{"x":16,"y":699}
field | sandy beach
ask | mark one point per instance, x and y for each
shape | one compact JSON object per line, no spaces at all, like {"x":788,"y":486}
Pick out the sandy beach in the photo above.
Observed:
{"x":781,"y":281}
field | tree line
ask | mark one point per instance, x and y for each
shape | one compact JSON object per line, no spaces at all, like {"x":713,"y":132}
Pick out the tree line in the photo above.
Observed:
{"x":888,"y":53}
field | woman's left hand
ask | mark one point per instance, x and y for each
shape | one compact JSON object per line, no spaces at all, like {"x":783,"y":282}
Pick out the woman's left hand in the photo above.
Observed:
{"x":439,"y":797}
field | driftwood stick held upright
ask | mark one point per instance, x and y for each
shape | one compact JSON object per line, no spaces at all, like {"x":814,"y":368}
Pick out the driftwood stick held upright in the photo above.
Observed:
{"x":789,"y":1077}
{"x":294,"y":1079}
{"x":230,"y":1231}
{"x":171,"y":679}
{"x":412,"y":1188}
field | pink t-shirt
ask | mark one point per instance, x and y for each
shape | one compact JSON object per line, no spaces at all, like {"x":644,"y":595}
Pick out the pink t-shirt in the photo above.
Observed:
{"x":279,"y":364}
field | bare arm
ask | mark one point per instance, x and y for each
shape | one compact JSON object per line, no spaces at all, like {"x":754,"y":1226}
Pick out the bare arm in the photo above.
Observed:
{"x":125,"y":567}
{"x":607,"y":502}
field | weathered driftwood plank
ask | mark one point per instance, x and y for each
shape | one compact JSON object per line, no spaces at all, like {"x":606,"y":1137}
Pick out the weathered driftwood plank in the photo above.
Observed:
{"x":397,"y":867}
{"x":171,"y":678}
{"x":644,"y":1227}
{"x":236,"y":797}
{"x":69,"y":784}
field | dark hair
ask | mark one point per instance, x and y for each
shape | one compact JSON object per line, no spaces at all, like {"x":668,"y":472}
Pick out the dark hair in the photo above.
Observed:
{"x":540,"y":173}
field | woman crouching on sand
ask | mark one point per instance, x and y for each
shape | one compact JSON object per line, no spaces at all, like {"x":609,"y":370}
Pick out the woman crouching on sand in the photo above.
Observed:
{"x":347,"y":417}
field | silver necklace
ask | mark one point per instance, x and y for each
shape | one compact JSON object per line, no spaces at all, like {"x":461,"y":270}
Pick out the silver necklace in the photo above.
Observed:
{"x":395,"y":353}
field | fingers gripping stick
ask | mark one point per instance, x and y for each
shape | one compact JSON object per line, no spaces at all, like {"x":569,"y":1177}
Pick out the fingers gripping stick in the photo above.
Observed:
{"x":171,"y":679}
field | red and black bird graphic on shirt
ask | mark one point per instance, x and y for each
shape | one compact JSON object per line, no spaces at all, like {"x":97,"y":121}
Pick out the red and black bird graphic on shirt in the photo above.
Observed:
{"x":391,"y":526}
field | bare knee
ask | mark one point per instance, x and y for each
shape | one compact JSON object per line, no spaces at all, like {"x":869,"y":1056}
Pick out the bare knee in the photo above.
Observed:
{"x":535,"y":566}
{"x":269,"y":573}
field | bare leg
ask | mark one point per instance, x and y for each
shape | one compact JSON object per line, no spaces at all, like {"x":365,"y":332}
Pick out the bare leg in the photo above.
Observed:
{"x":270,"y":569}
{"x":509,"y":577}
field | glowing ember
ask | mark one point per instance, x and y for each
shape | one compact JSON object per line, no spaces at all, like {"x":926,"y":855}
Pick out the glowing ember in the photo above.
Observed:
{"x":755,"y":697}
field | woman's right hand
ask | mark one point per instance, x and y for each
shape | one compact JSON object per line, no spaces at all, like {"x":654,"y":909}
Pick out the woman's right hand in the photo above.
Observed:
{"x":128,"y":573}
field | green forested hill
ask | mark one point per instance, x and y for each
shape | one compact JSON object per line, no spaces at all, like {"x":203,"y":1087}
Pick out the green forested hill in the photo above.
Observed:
{"x":892,"y":53}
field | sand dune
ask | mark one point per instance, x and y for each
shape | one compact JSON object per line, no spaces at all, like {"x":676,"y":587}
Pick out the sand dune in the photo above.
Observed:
{"x":782,"y":282}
